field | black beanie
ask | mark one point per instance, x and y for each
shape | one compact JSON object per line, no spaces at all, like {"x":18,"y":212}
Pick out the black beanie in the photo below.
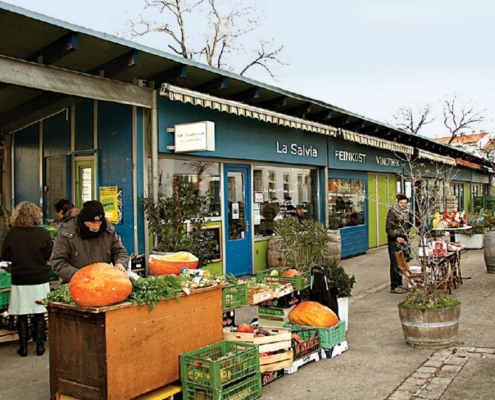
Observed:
{"x":92,"y":211}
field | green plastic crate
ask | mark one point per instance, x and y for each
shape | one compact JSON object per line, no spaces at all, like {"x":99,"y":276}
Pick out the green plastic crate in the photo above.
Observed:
{"x":246,"y":389}
{"x":234,"y":296}
{"x":329,"y":337}
{"x":204,"y":367}
{"x":5,"y":280}
{"x":299,"y":282}
{"x":4,"y":299}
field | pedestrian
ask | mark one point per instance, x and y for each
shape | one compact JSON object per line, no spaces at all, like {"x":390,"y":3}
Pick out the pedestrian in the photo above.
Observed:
{"x":397,"y":227}
{"x":28,"y":246}
{"x":87,"y":239}
{"x":65,"y":210}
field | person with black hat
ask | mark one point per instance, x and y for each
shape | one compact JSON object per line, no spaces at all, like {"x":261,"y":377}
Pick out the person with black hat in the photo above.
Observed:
{"x":87,"y":239}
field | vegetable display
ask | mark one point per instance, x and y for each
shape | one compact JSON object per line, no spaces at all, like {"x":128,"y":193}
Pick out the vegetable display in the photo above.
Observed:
{"x":172,"y":263}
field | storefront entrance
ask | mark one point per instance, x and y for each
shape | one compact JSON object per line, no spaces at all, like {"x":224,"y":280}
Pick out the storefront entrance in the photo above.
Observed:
{"x":238,"y":232}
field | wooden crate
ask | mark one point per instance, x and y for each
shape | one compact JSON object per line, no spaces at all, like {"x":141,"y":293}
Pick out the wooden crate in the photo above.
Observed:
{"x":279,"y":339}
{"x":123,"y":351}
{"x":275,"y":362}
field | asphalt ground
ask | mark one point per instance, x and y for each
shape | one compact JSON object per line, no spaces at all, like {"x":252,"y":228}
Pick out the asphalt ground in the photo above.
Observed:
{"x":378,"y":363}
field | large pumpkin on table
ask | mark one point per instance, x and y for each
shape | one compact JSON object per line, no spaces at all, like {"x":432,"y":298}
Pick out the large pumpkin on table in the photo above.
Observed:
{"x":312,"y":313}
{"x":99,"y":285}
{"x":172,"y":263}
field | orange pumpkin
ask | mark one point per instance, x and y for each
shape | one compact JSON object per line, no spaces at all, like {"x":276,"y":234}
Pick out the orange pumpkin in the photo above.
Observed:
{"x":172,"y":263}
{"x":290,"y":273}
{"x":312,"y":313}
{"x":99,"y":285}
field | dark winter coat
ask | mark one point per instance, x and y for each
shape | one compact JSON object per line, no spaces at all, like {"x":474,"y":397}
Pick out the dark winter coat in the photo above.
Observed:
{"x":398,"y":224}
{"x":28,"y":248}
{"x":71,"y":252}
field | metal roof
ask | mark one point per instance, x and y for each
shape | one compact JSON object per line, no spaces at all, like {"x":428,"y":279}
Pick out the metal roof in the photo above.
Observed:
{"x":34,"y":38}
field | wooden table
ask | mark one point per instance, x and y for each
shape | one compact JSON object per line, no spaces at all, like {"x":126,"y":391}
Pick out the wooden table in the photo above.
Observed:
{"x":123,"y":351}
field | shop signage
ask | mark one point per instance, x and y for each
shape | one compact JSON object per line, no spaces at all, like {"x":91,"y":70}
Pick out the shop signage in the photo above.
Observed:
{"x":391,"y":162}
{"x":342,"y":155}
{"x":297,"y":150}
{"x":197,"y":136}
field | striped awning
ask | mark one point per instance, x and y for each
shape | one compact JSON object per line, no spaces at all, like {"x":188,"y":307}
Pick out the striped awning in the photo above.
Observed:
{"x":469,"y":164}
{"x":376,"y":142}
{"x":176,"y":93}
{"x":436,"y":157}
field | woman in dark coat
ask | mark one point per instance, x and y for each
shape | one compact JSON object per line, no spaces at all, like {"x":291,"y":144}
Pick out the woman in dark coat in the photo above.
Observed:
{"x":28,"y":246}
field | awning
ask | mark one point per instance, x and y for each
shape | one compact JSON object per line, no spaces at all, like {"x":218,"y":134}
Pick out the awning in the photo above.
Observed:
{"x":376,"y":142}
{"x":176,"y":93}
{"x":469,"y":164}
{"x":436,"y":157}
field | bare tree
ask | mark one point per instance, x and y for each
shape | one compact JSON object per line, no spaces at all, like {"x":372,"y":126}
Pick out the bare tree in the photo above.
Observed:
{"x":413,"y":120}
{"x":211,"y":31}
{"x":459,"y":115}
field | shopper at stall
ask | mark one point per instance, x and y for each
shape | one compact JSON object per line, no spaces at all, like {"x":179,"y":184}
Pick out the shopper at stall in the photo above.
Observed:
{"x":397,"y":227}
{"x":65,"y":210}
{"x":87,"y":239}
{"x":28,"y":246}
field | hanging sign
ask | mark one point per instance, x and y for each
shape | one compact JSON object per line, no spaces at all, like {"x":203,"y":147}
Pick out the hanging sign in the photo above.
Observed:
{"x":109,"y":199}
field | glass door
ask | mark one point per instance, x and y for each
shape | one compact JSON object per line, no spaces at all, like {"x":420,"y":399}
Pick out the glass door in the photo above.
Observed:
{"x":238,"y":234}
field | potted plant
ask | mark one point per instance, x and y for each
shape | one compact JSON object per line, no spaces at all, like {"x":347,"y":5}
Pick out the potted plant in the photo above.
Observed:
{"x":429,"y":316}
{"x":176,"y":221}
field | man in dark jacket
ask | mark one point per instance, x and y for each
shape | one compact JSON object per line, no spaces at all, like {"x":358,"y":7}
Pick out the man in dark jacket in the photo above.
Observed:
{"x":397,"y":227}
{"x":87,"y":239}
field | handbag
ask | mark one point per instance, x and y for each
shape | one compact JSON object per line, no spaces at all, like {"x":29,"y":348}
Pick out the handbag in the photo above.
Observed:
{"x":322,"y":291}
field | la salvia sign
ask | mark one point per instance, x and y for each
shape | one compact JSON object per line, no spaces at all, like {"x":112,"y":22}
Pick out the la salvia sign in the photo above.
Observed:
{"x":296,"y":149}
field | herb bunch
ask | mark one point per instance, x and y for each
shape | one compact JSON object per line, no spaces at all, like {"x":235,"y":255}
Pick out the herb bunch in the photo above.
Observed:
{"x":153,"y":289}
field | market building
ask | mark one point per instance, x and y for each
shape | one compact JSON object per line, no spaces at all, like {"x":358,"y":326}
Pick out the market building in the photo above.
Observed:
{"x":84,"y":115}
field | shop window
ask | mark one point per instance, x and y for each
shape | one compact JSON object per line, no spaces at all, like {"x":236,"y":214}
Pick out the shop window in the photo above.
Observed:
{"x":346,"y":205}
{"x":281,"y":193}
{"x":203,"y":175}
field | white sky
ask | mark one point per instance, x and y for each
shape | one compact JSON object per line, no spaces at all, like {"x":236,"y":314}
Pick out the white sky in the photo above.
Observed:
{"x":366,"y":56}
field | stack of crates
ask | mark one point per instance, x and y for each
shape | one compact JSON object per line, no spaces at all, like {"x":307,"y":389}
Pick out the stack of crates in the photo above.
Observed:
{"x":275,"y":312}
{"x":5,"y":283}
{"x":221,"y":371}
{"x":233,"y":296}
{"x":305,"y":347}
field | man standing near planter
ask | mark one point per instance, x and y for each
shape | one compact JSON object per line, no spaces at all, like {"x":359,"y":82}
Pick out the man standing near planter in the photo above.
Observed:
{"x":397,"y":227}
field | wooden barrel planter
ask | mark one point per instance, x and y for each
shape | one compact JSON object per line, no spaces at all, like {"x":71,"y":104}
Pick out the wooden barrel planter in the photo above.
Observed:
{"x":275,"y":257}
{"x":489,"y":251}
{"x":434,"y":328}
{"x":334,"y":251}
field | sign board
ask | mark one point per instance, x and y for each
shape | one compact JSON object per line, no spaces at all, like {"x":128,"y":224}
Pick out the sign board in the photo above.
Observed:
{"x":197,"y":136}
{"x":109,"y":199}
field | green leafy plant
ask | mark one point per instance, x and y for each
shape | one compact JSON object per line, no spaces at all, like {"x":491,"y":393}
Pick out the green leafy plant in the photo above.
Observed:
{"x":337,"y":274}
{"x":426,"y":299}
{"x":153,"y":289}
{"x":177,"y":221}
{"x":59,"y":295}
{"x":302,"y":242}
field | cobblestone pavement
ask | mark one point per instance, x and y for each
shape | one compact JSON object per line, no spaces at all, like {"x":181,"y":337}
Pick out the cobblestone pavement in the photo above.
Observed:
{"x":432,"y":379}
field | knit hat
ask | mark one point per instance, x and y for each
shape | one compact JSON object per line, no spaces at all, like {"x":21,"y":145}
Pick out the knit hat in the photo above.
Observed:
{"x":92,"y":211}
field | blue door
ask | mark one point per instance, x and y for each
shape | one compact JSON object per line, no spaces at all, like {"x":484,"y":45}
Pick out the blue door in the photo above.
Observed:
{"x":237,"y":200}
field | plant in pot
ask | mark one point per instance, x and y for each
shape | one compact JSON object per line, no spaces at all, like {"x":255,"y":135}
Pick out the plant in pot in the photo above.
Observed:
{"x":176,"y":221}
{"x":429,"y":315}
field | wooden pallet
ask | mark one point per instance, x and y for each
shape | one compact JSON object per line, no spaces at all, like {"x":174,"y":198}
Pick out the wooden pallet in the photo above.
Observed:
{"x":8,"y":336}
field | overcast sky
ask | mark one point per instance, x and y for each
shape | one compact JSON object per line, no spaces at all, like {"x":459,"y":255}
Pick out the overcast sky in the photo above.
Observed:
{"x":367,"y":56}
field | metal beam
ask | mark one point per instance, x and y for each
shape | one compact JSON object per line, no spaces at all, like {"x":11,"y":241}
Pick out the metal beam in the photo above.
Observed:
{"x":117,"y":65}
{"x":212,"y":86}
{"x":56,"y":50}
{"x":322,"y":116}
{"x":169,"y":76}
{"x":247,"y":95}
{"x":300,"y":110}
{"x":52,"y":79}
{"x":369,"y":129}
{"x":339,"y":121}
{"x":355,"y":125}
{"x":279,"y":102}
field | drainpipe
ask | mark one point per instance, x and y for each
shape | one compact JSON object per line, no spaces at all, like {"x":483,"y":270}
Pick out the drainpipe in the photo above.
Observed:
{"x":154,"y":145}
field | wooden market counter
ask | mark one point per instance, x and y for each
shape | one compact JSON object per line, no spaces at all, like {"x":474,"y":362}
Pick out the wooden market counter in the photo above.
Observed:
{"x":122,"y":351}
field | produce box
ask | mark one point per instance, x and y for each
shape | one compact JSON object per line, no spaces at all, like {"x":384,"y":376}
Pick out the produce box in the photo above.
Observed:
{"x":329,"y":337}
{"x":268,"y":339}
{"x":272,"y":321}
{"x":305,"y":341}
{"x":299,"y":282}
{"x":288,"y":300}
{"x":219,"y":364}
{"x":256,"y":296}
{"x":275,"y":361}
{"x":234,"y":296}
{"x":5,"y":280}
{"x":269,"y":377}
{"x":4,"y":299}
{"x":273,"y":312}
{"x":246,"y":389}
